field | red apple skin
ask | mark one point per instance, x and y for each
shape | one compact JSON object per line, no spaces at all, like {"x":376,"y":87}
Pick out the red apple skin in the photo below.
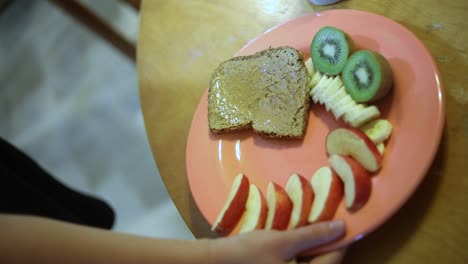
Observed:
{"x":370,"y":144}
{"x":362,"y":183}
{"x":263,"y":214}
{"x":335,"y":196}
{"x":334,"y":199}
{"x":283,"y":209}
{"x":307,"y":199}
{"x":235,"y":209}
{"x":367,"y":141}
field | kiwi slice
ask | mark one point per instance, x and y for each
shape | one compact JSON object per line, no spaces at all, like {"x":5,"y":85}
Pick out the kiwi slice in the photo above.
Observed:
{"x":367,"y":76}
{"x":330,"y":49}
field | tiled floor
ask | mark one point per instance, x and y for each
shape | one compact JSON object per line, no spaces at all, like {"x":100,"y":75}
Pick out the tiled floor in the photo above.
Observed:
{"x":71,"y":101}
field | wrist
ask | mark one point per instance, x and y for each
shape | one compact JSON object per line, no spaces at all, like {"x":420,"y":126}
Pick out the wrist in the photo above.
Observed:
{"x":210,"y":250}
{"x":223,"y":250}
{"x":215,"y":251}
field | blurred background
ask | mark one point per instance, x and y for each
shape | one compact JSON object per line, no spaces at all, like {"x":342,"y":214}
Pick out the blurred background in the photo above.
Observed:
{"x":70,"y":100}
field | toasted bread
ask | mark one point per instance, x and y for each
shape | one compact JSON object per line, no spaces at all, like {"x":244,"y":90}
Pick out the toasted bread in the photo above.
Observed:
{"x":267,"y":91}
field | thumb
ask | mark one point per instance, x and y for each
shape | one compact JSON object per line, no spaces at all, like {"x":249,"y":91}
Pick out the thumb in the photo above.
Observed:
{"x":312,"y":236}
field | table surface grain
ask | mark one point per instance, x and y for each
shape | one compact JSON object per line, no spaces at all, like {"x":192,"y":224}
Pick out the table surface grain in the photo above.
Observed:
{"x":181,"y":42}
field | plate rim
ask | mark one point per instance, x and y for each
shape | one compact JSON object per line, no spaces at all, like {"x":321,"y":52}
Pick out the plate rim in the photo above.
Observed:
{"x":441,"y":119}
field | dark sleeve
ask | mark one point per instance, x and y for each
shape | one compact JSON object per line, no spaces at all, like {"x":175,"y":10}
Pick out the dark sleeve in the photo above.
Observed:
{"x":26,"y":188}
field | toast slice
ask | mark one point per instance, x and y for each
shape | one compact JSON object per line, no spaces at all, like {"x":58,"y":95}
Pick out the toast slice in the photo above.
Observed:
{"x":267,"y":91}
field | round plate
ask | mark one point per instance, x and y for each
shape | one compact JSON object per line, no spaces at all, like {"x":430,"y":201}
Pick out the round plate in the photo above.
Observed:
{"x":415,"y":108}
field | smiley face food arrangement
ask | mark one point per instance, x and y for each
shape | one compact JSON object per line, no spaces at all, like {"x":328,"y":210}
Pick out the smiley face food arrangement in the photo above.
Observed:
{"x":270,"y":93}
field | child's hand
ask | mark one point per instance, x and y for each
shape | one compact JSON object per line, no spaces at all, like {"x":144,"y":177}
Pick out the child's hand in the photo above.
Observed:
{"x":278,"y":247}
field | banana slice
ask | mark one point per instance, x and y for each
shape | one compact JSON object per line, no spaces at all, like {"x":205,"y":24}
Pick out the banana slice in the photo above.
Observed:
{"x":315,"y":78}
{"x":334,"y":99}
{"x":331,"y":90}
{"x":381,"y":148}
{"x":353,"y":112}
{"x":343,"y":106}
{"x":309,"y":66}
{"x":320,"y":93}
{"x":378,"y":130}
{"x":323,"y":78}
{"x":322,"y":85}
{"x":365,"y":115}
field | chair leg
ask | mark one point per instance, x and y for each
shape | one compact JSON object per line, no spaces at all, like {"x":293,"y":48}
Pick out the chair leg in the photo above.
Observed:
{"x":98,"y":26}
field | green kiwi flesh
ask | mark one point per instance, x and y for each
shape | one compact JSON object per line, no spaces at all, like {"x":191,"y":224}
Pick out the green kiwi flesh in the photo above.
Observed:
{"x":330,"y":49}
{"x":367,"y":76}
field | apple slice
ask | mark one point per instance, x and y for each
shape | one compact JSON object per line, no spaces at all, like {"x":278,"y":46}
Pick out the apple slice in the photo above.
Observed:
{"x":279,"y":207}
{"x":381,"y":148}
{"x":356,"y":179}
{"x":234,"y":206}
{"x":255,"y":211}
{"x":301,"y":194}
{"x":328,"y":190}
{"x":353,"y":142}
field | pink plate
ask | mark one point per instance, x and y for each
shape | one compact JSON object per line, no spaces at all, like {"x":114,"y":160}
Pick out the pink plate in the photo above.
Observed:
{"x":415,"y":108}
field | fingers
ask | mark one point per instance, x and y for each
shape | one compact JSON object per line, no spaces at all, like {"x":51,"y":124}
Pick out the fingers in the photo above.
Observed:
{"x":312,"y":236}
{"x":333,"y":257}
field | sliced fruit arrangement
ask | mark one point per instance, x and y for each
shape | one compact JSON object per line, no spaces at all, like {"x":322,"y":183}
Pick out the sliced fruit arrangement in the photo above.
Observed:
{"x":355,"y":143}
{"x":366,"y":74}
{"x":343,"y":81}
{"x":356,"y":179}
{"x":330,"y":91}
{"x":353,"y":155}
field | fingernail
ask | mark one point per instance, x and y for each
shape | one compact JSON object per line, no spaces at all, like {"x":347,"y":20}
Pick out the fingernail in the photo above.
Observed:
{"x":337,"y":226}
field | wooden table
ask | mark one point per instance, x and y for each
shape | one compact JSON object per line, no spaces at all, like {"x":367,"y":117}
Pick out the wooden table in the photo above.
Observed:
{"x":181,"y":42}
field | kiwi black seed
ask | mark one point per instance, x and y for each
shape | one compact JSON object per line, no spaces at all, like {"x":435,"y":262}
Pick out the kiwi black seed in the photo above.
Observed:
{"x":330,"y":49}
{"x":367,"y":76}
